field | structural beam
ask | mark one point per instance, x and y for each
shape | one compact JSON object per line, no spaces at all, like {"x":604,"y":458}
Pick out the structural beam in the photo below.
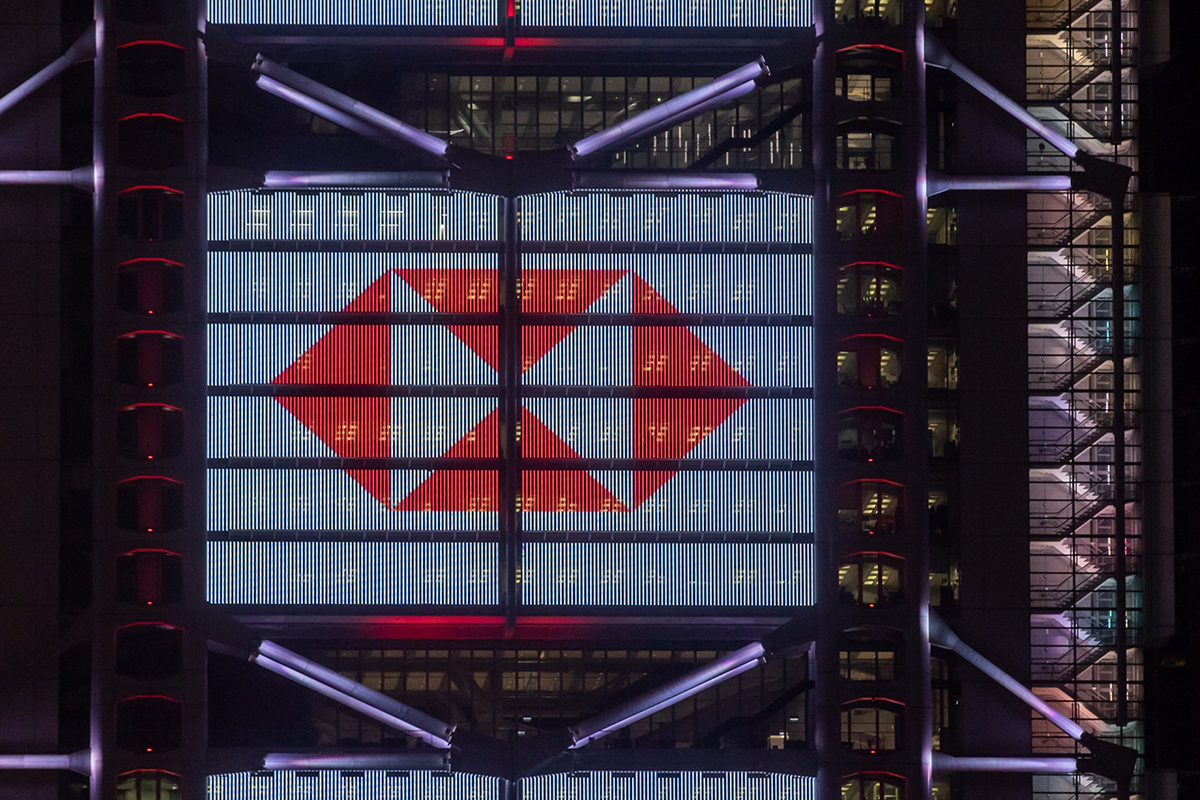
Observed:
{"x":941,"y":635}
{"x":79,"y":761}
{"x":81,"y":178}
{"x":943,"y":764}
{"x":276,"y":179}
{"x":724,"y":89}
{"x":428,"y":760}
{"x":939,"y":183}
{"x":717,"y":181}
{"x":384,"y":123}
{"x":668,"y":694}
{"x":353,"y":694}
{"x":328,"y":112}
{"x":84,"y":49}
{"x":936,"y":55}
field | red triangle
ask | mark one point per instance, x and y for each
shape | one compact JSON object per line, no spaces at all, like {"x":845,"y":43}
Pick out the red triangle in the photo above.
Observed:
{"x":674,"y":356}
{"x":565,"y":491}
{"x":454,"y":490}
{"x":538,"y":441}
{"x":482,"y":441}
{"x":565,"y":291}
{"x":455,"y":291}
{"x":647,"y":482}
{"x":481,"y":339}
{"x":539,"y":340}
{"x":347,"y":354}
{"x":376,"y":298}
{"x":646,"y":300}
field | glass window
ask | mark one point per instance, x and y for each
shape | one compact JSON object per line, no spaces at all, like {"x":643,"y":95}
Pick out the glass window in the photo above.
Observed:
{"x":148,"y":784}
{"x":943,"y":225}
{"x":869,"y":434}
{"x":867,"y":13}
{"x":943,"y":432}
{"x":150,"y":651}
{"x":865,"y":150}
{"x":871,"y":580}
{"x":869,"y":217}
{"x":871,"y":725}
{"x":869,"y":362}
{"x":150,"y":286}
{"x":872,"y":786}
{"x":870,"y":507}
{"x":150,"y":214}
{"x":943,"y":365}
{"x":868,"y":664}
{"x":149,"y":724}
{"x":868,"y":289}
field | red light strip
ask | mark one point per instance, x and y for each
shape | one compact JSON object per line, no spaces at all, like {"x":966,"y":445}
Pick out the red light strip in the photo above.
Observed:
{"x":150,"y":41}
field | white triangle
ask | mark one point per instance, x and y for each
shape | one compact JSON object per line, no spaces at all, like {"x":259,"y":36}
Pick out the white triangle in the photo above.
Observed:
{"x":594,"y":427}
{"x":426,"y":427}
{"x":430,"y":355}
{"x":588,"y":356}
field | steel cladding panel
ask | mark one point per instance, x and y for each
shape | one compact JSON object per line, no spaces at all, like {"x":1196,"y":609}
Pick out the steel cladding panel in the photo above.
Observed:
{"x":352,"y":216}
{"x":668,"y":786}
{"x":305,"y":282}
{"x":723,"y":429}
{"x":350,"y":427}
{"x":688,"y":283}
{"x":668,"y":14}
{"x":343,"y":785}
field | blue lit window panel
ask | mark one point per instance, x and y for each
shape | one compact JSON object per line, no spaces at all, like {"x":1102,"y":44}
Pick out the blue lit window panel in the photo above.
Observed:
{"x":669,"y":13}
{"x":692,"y":283}
{"x":716,"y":501}
{"x":250,"y":500}
{"x":337,"y":785}
{"x":375,"y":355}
{"x":351,"y":427}
{"x":353,"y":12}
{"x":666,"y":574}
{"x":747,"y":217}
{"x":352,"y":216}
{"x":669,"y":428}
{"x":352,"y":573}
{"x":669,"y":356}
{"x":323,"y":282}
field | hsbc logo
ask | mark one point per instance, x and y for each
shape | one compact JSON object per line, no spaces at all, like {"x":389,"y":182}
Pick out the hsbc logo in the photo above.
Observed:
{"x":663,"y":356}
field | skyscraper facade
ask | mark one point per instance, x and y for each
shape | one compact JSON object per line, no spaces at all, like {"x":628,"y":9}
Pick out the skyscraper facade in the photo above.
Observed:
{"x":544,"y":399}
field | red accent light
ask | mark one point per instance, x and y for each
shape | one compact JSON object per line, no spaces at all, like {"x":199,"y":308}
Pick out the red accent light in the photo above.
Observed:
{"x":872,"y":264}
{"x":161,"y":188}
{"x":150,"y":477}
{"x":870,"y":191}
{"x":151,"y":114}
{"x":162,"y":260}
{"x":508,"y":157}
{"x":871,"y":408}
{"x":150,"y":41}
{"x":155,"y":405}
{"x":873,"y":336}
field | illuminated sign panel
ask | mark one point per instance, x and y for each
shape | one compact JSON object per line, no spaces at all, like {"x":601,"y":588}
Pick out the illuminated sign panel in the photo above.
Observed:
{"x":359,"y":390}
{"x":337,"y":784}
{"x":354,"y":12}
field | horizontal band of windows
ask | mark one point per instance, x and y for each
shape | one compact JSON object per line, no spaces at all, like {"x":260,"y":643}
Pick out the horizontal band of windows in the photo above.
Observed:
{"x":458,"y":500}
{"x":353,"y":536}
{"x":660,"y":785}
{"x":419,"y":785}
{"x":357,"y":573}
{"x":667,"y":14}
{"x":346,"y":12}
{"x":353,"y":216}
{"x":646,"y":536}
{"x":563,"y":464}
{"x":352,"y":246}
{"x":623,"y":320}
{"x":595,"y":430}
{"x":726,"y":217}
{"x":445,"y":246}
{"x":659,"y":284}
{"x":384,"y":355}
{"x":666,"y":574}
{"x":360,"y":390}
